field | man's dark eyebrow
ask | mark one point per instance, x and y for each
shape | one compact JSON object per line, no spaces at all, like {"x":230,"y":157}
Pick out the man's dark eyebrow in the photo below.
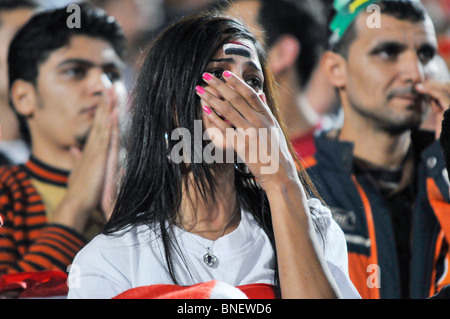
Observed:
{"x":88,"y":63}
{"x":388,"y":44}
{"x":76,"y":61}
{"x":429,"y":46}
{"x":399,"y":47}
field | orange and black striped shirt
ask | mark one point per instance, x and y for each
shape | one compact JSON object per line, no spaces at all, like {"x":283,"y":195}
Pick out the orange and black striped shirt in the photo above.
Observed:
{"x":27,"y":241}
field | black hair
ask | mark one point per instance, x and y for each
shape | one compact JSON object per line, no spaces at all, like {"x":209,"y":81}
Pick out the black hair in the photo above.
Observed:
{"x":48,"y":31}
{"x":406,"y":10}
{"x":298,"y":19}
{"x":164,"y":99}
{"x":445,"y":139}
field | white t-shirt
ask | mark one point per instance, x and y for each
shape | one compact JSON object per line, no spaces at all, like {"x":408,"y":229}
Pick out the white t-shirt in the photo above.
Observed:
{"x":110,"y":265}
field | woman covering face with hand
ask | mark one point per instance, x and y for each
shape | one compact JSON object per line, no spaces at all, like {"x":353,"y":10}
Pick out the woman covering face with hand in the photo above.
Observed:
{"x":234,"y":207}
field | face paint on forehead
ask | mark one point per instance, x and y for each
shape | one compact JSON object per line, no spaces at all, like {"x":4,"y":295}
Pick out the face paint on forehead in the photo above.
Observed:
{"x":237,"y":48}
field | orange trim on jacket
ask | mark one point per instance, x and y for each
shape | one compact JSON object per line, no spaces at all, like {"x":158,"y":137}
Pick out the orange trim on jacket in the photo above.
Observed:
{"x":360,"y":209}
{"x":441,"y":210}
{"x":367,"y":285}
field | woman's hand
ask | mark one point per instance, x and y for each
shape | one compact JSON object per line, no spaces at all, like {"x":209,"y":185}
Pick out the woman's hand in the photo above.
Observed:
{"x":302,"y":268}
{"x":243,"y":112}
{"x":249,"y":127}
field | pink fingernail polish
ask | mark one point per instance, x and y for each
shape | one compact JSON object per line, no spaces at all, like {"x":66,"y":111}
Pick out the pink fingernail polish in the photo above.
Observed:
{"x":200,"y":90}
{"x":207,"y":76}
{"x":226,"y":74}
{"x":207,"y":110}
{"x":263,"y":97}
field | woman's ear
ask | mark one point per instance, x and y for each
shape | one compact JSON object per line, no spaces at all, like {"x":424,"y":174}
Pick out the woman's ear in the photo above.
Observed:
{"x":23,"y":97}
{"x":283,"y":54}
{"x":335,"y":68}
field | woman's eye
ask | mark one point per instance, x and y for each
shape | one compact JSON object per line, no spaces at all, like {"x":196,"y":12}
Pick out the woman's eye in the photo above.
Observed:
{"x":217,"y":73}
{"x":255,"y":83}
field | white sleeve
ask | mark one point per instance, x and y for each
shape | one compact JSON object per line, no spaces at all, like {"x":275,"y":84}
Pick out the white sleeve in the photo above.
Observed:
{"x":94,"y":273}
{"x":335,"y":249}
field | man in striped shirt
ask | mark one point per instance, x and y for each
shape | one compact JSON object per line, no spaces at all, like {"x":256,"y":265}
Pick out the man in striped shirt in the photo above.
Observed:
{"x":65,"y":84}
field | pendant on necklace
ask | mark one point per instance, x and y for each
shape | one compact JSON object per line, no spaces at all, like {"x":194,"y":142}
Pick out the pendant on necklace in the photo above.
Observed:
{"x":209,"y":258}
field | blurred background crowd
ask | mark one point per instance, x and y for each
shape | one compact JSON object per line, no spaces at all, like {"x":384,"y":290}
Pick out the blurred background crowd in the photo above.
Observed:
{"x":142,"y":20}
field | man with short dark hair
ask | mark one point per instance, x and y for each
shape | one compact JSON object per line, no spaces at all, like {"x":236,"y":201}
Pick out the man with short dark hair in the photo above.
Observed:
{"x":65,"y":85}
{"x":13,"y":14}
{"x":377,"y":171}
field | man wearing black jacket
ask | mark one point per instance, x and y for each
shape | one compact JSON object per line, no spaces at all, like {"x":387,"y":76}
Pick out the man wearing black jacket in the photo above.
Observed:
{"x":378,"y":171}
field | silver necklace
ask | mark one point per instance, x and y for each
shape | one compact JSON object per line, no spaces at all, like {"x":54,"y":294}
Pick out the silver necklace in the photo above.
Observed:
{"x":209,"y":258}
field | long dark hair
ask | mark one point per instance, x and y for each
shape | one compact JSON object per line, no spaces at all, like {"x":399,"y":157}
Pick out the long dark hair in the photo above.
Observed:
{"x":164,"y":99}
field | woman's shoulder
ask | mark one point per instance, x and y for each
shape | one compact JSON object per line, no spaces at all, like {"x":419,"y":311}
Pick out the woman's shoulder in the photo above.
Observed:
{"x":331,"y":235}
{"x":126,"y":236}
{"x":114,"y":246}
{"x":320,"y":213}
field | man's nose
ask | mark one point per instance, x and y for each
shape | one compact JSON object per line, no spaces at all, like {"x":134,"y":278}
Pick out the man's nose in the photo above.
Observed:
{"x":99,"y":82}
{"x":412,"y":68}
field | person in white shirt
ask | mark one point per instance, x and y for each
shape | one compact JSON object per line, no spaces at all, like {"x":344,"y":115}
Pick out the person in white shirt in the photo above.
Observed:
{"x":211,"y":188}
